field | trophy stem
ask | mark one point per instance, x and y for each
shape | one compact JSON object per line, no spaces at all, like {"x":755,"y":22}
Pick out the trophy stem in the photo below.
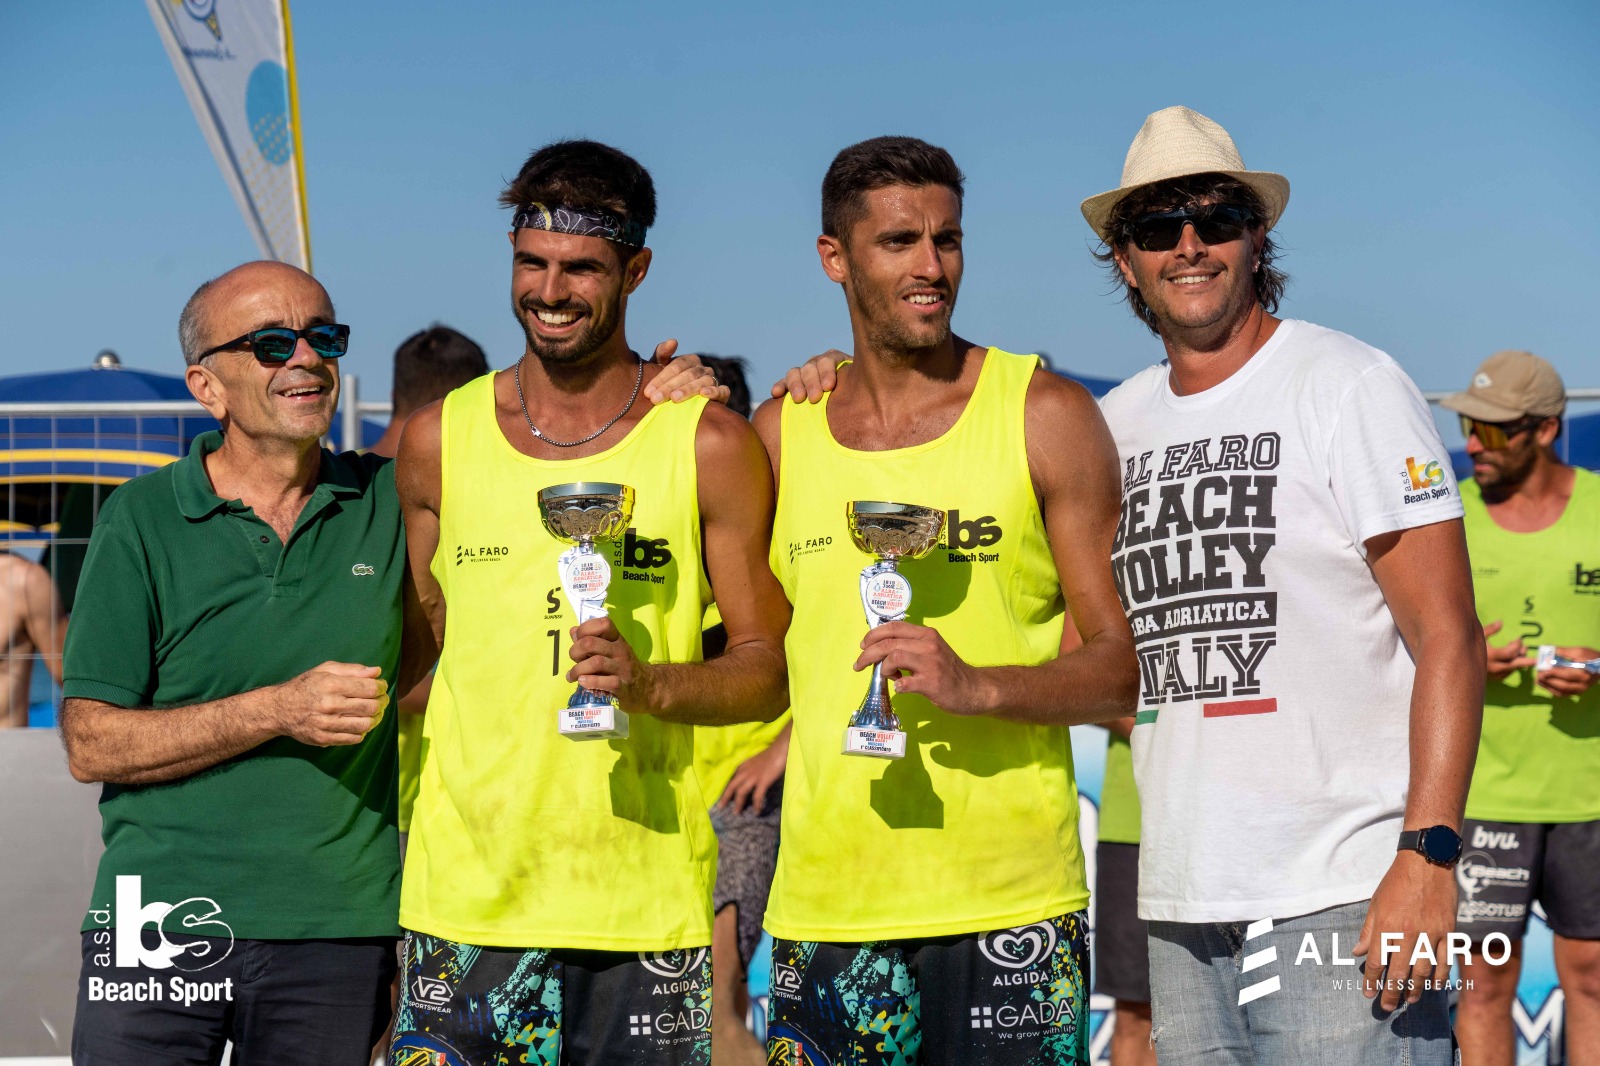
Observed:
{"x":876,"y":710}
{"x":589,"y":715}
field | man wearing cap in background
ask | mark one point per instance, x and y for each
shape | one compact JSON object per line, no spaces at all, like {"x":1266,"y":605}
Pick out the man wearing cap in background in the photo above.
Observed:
{"x":1533,"y":816}
{"x":1289,"y":530}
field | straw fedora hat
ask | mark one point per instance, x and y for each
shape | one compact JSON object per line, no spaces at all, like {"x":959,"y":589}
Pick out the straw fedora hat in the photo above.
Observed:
{"x":1174,"y":143}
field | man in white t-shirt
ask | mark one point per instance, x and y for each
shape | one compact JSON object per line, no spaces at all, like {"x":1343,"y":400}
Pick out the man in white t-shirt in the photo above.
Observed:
{"x":1292,"y":560}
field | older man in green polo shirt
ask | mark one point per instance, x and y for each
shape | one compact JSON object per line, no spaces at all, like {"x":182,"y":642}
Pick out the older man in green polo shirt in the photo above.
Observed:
{"x":240,"y":625}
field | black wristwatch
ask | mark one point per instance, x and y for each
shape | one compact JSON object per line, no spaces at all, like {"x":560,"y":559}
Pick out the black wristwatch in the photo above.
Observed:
{"x":1439,"y":844}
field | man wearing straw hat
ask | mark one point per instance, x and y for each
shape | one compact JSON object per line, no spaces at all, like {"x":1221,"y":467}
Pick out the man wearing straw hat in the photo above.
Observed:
{"x":1292,"y":560}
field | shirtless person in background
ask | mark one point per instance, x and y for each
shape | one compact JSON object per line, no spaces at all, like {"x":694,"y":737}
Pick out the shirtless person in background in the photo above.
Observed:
{"x":35,"y":628}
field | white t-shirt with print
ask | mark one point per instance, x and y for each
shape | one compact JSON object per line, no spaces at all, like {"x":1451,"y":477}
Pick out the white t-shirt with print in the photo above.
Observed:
{"x":1272,"y":745}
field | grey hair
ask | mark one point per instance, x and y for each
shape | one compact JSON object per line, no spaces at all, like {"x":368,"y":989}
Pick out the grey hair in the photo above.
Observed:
{"x":191,"y":324}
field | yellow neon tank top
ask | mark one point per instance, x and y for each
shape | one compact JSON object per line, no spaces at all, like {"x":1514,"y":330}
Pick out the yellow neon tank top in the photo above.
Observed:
{"x":976,"y":828}
{"x":521,"y":837}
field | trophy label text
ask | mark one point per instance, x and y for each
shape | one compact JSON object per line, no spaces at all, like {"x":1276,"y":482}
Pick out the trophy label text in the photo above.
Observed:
{"x":884,"y":743}
{"x":601,"y":721}
{"x":888,"y":595}
{"x":587,"y":577}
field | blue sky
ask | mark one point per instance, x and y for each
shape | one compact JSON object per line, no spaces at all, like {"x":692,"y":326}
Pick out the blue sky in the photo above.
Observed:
{"x":1444,"y":160}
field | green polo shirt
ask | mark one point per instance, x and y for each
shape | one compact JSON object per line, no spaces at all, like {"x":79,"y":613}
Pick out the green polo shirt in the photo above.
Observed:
{"x":186,"y":598}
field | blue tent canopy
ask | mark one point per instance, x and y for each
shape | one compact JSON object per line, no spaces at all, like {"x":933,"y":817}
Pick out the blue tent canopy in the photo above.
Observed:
{"x":95,"y":449}
{"x":42,"y":456}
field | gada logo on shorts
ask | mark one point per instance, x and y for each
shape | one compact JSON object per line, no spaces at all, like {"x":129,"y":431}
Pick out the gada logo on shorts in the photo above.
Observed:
{"x":183,"y":928}
{"x":1033,"y":1016}
{"x":673,"y":964}
{"x":694,"y":1019}
{"x":1019,"y":948}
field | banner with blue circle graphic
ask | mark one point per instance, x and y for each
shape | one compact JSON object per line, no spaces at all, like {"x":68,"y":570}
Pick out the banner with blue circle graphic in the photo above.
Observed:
{"x":235,"y":59}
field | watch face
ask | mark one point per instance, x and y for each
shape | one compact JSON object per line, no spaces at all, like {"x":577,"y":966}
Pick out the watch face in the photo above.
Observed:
{"x":1440,"y":844}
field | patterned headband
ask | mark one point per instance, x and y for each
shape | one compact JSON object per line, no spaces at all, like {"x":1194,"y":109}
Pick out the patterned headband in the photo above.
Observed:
{"x":581,"y":222}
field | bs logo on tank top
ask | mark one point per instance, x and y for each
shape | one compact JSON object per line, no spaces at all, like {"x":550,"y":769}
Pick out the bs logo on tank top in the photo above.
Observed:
{"x":965,"y":537}
{"x":644,"y":553}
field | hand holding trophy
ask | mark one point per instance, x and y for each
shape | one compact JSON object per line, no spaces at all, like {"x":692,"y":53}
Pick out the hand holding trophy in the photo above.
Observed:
{"x":580,"y":514}
{"x":890,"y":531}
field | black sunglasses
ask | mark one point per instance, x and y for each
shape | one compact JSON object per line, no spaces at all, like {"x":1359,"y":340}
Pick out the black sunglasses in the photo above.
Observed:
{"x":1213,"y":224}
{"x":276,"y":344}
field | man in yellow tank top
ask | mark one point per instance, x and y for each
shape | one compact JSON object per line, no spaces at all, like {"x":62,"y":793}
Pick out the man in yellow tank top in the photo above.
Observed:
{"x":557,"y":893}
{"x":931,"y":908}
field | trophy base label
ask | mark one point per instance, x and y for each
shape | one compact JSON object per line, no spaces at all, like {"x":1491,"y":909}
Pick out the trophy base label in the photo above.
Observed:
{"x":880,"y":743}
{"x":592,"y":723}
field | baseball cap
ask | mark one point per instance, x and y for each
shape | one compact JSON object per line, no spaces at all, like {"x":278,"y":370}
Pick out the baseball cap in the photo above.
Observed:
{"x":1509,"y":386}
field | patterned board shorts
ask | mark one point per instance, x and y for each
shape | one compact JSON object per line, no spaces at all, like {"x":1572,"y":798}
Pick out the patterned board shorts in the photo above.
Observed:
{"x":1004,"y":998}
{"x":462,"y":1005}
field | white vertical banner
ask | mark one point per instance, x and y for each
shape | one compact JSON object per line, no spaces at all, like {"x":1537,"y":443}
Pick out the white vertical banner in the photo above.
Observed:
{"x":235,"y":59}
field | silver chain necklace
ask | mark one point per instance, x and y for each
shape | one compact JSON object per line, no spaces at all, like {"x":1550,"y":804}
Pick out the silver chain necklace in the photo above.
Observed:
{"x":516,"y":375}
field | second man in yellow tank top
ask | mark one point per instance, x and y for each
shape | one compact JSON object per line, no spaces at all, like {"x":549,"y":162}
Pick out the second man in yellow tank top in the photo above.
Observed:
{"x":930,"y":909}
{"x":557,"y":893}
